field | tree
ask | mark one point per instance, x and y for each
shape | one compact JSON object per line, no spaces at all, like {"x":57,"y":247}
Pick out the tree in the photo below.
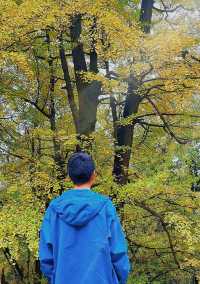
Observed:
{"x":150,"y":83}
{"x":45,"y":55}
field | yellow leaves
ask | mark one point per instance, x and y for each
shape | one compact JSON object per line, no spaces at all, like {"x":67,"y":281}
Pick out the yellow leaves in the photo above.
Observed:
{"x":19,"y":61}
{"x":151,"y":186}
{"x":191,"y":263}
{"x":70,"y":141}
{"x":119,"y":38}
{"x":174,"y":76}
{"x":29,"y":17}
{"x":108,"y":85}
{"x":45,"y":133}
{"x":164,"y":49}
{"x":32,"y":16}
{"x":167,"y":45}
{"x":186,"y":232}
{"x":23,"y":210}
{"x":18,"y":220}
{"x":111,"y":24}
{"x":45,"y":186}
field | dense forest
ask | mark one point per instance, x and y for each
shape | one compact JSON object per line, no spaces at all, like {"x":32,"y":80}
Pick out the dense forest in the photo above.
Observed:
{"x":119,"y":79}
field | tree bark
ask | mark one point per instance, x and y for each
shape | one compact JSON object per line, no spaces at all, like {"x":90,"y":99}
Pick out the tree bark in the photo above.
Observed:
{"x":37,"y":275}
{"x":146,"y":15}
{"x":3,"y":278}
{"x":88,"y":92}
{"x":68,"y":83}
{"x":124,"y":134}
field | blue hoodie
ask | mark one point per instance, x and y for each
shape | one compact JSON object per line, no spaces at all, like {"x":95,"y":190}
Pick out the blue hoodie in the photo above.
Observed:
{"x":81,"y":240}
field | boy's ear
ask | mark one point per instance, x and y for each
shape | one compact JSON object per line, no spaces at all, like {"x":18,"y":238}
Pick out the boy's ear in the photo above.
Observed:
{"x":93,"y":177}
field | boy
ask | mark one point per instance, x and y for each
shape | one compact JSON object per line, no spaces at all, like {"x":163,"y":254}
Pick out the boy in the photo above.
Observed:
{"x":81,"y":239}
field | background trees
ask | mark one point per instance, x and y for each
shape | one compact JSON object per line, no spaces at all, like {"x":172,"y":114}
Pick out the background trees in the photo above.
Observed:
{"x":121,"y":80}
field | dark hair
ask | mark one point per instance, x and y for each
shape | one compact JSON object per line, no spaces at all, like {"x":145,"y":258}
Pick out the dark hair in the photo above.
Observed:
{"x":80,"y":167}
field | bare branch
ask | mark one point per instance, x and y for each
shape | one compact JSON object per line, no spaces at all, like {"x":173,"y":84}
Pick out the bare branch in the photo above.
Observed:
{"x":168,"y":114}
{"x":36,"y":106}
{"x":163,"y":125}
{"x":167,"y":10}
{"x":166,"y":126}
{"x":164,"y":226}
{"x":7,"y":152}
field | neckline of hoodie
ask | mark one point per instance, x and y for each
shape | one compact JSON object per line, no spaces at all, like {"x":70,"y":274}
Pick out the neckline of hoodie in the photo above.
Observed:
{"x":78,"y":189}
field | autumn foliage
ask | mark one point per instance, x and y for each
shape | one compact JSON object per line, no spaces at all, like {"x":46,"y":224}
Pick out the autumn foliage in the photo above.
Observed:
{"x":119,"y":79}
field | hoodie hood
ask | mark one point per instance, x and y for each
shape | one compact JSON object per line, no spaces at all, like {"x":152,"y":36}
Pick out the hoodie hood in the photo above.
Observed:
{"x":77,"y":207}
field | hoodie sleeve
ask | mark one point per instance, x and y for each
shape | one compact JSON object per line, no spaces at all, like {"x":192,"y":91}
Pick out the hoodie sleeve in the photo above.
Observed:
{"x":118,"y":247}
{"x":46,"y":247}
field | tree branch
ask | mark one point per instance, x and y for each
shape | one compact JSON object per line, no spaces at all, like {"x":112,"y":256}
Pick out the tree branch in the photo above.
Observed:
{"x":36,"y":106}
{"x":164,"y":226}
{"x":67,"y":79}
{"x":166,"y":126}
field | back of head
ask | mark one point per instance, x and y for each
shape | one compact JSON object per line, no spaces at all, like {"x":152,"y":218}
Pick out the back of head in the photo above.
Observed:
{"x":80,"y":168}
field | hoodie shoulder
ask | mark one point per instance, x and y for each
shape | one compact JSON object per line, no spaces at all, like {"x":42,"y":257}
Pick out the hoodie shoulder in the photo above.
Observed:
{"x":111,"y":212}
{"x":55,"y":200}
{"x":100,"y":196}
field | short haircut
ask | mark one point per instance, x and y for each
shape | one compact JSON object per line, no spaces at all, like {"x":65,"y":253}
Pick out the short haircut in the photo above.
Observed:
{"x":80,"y":167}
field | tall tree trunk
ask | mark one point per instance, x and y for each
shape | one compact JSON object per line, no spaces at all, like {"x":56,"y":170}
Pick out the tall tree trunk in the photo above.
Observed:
{"x":3,"y":278}
{"x":88,"y":93}
{"x":124,"y":134}
{"x":69,"y":88}
{"x":37,"y":273}
{"x":194,"y":280}
{"x":146,"y":15}
{"x":52,"y":118}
